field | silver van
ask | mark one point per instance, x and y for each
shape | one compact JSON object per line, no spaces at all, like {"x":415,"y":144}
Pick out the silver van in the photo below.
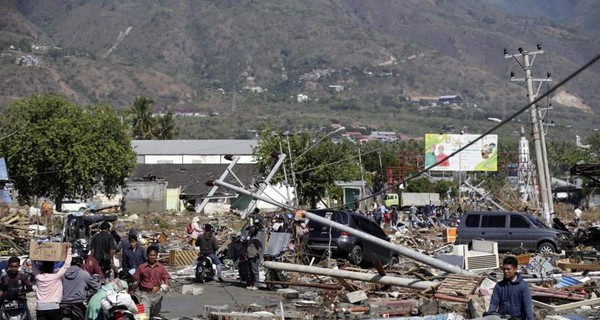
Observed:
{"x":512,"y":230}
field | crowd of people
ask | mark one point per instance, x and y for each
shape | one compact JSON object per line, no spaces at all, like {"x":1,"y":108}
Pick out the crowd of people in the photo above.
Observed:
{"x":417,"y":217}
{"x":87,"y":284}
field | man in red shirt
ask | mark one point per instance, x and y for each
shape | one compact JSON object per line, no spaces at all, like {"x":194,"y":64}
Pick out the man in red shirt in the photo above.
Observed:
{"x":153,"y":281}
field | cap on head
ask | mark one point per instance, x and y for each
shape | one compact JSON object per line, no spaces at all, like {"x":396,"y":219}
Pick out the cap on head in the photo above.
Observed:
{"x":196,"y":219}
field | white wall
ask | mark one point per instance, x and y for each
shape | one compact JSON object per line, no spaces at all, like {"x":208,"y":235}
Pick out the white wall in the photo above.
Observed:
{"x":190,"y":159}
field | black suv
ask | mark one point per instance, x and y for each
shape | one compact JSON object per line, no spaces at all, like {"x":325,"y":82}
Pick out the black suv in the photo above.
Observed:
{"x":345,"y":245}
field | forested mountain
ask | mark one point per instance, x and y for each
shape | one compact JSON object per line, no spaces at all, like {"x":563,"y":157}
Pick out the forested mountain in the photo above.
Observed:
{"x":247,"y":60}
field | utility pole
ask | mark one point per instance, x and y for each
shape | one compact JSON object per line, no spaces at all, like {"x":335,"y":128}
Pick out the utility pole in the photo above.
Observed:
{"x":536,"y":122}
{"x":362,"y":178}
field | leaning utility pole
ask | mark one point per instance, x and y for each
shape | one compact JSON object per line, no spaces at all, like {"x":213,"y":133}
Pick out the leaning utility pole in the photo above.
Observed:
{"x":537,"y":133}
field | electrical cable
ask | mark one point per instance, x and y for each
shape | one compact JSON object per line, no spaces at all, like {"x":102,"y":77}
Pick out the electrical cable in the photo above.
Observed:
{"x":496,"y":127}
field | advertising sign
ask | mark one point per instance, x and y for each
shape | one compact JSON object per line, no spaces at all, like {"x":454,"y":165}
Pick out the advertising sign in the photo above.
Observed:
{"x":481,"y":156}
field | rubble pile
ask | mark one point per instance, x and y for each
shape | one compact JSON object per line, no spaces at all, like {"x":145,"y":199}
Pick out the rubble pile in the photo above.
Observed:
{"x":323,"y":288}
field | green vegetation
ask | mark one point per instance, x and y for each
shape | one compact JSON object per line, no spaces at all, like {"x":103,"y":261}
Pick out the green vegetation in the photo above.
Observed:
{"x":58,"y":150}
{"x":146,"y":126}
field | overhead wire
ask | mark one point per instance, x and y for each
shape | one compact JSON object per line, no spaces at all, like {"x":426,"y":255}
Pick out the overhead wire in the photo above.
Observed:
{"x":493,"y":129}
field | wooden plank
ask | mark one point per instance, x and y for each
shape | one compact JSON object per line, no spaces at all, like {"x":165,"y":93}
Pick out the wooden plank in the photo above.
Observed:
{"x":566,"y":306}
{"x":346,"y":285}
{"x":182,"y":257}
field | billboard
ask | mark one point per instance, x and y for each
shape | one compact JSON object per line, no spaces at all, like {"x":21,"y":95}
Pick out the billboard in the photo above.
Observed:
{"x":481,"y":156}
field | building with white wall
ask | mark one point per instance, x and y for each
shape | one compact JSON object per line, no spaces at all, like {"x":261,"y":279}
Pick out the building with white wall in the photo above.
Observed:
{"x":193,"y":151}
{"x":185,"y":166}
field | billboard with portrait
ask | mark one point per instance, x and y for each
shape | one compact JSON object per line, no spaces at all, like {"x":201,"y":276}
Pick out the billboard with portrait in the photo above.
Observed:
{"x":481,"y":156}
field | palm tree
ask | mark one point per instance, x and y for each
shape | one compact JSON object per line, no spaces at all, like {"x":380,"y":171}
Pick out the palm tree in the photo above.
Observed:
{"x":166,"y":129}
{"x":143,"y":122}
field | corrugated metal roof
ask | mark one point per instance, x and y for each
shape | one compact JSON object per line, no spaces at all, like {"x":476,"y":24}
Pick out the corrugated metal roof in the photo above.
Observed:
{"x":3,"y":170}
{"x":192,"y":177}
{"x":193,"y":147}
{"x":567,"y":282}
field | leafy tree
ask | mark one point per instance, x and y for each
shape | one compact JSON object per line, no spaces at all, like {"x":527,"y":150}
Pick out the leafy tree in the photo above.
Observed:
{"x":143,"y":122}
{"x":376,"y":157}
{"x":421,"y":185}
{"x":60,"y":150}
{"x":166,"y":129}
{"x":317,"y":163}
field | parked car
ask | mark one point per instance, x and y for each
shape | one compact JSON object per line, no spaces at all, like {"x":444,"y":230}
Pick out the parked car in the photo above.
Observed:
{"x":512,"y":230}
{"x":71,"y":205}
{"x":344,"y":245}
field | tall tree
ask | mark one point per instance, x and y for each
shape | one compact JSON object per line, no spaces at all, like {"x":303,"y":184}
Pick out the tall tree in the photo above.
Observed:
{"x":60,"y":150}
{"x":143,"y":122}
{"x":317,"y":163}
{"x":166,"y":129}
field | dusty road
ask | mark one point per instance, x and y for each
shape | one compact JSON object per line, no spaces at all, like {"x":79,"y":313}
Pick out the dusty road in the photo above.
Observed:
{"x":176,"y":305}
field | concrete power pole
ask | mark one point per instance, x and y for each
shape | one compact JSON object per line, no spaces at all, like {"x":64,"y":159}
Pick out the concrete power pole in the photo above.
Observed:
{"x":537,"y":125}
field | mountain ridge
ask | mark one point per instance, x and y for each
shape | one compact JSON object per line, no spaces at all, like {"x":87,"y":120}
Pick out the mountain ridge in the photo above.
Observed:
{"x":190,"y":55}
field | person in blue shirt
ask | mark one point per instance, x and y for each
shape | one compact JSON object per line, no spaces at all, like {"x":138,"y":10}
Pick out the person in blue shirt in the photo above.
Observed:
{"x":134,"y":255}
{"x":511,"y":296}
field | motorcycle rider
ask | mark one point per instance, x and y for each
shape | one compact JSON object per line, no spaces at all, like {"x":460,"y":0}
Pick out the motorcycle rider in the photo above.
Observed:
{"x":76,"y":283}
{"x":90,"y":264}
{"x":15,"y":280}
{"x":208,"y":246}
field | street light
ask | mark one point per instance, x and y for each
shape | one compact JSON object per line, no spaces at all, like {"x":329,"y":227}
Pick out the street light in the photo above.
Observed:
{"x":293,"y":161}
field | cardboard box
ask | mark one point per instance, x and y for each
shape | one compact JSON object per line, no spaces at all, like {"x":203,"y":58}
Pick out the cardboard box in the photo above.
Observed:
{"x":449,"y":234}
{"x":47,"y":251}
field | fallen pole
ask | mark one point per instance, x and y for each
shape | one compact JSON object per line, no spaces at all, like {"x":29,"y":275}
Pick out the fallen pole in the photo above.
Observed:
{"x":368,"y":277}
{"x":306,"y":284}
{"x":412,"y":254}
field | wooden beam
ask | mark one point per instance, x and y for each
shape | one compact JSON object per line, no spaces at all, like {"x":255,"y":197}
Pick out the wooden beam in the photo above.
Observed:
{"x":566,"y":306}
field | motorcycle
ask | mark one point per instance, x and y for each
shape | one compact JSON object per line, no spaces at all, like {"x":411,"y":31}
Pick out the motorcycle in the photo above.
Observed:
{"x":122,"y":306}
{"x":205,"y":269}
{"x":275,"y":275}
{"x":13,"y":306}
{"x":72,"y":311}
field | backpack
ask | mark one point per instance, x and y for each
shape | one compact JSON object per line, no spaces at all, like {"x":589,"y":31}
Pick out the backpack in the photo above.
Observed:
{"x":189,"y":228}
{"x":254,"y":249}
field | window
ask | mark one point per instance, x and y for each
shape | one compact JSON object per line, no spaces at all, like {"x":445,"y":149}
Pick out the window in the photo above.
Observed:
{"x":493,"y":221}
{"x":517,"y":221}
{"x":472,"y":221}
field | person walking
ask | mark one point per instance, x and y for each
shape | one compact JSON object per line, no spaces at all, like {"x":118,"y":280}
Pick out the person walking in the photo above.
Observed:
{"x":153,"y":280}
{"x":134,"y":255}
{"x":196,"y":230}
{"x":254,"y":251}
{"x":394,"y":216}
{"x":578,"y":214}
{"x":49,"y":288}
{"x":103,"y":248}
{"x":208,"y":247}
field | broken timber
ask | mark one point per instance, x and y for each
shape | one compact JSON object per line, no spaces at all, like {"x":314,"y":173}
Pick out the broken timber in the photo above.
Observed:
{"x":566,"y":306}
{"x":368,"y":277}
